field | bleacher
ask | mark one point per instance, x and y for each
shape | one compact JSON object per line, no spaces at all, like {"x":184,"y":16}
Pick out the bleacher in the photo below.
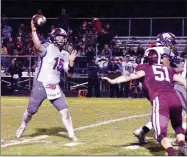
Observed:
{"x":80,"y":75}
{"x":127,"y":41}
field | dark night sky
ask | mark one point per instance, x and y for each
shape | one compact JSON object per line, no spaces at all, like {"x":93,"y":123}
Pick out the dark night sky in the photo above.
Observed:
{"x":97,"y":8}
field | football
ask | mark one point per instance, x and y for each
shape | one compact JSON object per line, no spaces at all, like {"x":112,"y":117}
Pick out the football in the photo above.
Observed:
{"x":39,"y":20}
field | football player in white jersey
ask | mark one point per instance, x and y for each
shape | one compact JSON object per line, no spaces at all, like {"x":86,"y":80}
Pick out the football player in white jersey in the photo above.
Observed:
{"x":51,"y":61}
{"x":127,"y":68}
{"x":165,"y":46}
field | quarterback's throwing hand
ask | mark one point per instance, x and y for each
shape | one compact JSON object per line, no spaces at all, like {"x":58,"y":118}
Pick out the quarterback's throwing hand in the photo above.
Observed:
{"x":33,"y":27}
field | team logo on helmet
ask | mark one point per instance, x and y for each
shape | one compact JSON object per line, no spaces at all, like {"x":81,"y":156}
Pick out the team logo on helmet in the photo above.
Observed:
{"x":167,"y":39}
{"x":59,"y":36}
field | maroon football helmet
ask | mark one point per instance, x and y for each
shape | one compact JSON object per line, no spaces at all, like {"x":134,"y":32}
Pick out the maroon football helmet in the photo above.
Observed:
{"x":153,"y":57}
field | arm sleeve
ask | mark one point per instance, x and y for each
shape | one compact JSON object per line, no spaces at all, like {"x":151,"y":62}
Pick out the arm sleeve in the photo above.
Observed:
{"x":173,"y":71}
{"x":140,"y":67}
{"x":44,"y":48}
{"x":66,"y":66}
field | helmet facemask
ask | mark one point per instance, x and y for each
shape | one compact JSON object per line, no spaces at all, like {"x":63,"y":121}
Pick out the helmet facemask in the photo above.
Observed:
{"x":153,"y":57}
{"x":167,"y":40}
{"x":60,"y":40}
{"x":59,"y":37}
{"x":171,"y":44}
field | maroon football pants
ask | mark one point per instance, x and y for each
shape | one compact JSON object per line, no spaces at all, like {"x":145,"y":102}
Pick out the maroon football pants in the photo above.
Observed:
{"x":165,"y":107}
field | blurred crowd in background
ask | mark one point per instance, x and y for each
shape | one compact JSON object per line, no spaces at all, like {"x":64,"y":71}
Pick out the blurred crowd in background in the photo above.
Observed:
{"x":90,"y":39}
{"x":94,"y":41}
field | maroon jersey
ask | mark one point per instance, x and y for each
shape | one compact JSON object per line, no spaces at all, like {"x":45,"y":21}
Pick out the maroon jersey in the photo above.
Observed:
{"x":158,"y":79}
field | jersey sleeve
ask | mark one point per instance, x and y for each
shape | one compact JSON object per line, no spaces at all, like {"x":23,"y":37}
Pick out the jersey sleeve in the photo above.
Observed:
{"x":140,"y":67}
{"x":66,"y":65}
{"x":173,"y":71}
{"x":44,"y":48}
{"x":66,"y":61}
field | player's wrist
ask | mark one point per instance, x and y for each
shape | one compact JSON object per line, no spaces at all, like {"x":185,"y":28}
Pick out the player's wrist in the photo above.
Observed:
{"x":71,"y":69}
{"x":71,"y":64}
{"x":33,"y":29}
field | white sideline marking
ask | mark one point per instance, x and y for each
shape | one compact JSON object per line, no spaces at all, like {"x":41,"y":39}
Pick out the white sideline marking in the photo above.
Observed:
{"x":132,"y":147}
{"x":24,"y":141}
{"x":111,"y":121}
{"x":71,"y":144}
{"x":76,"y":129}
{"x":45,"y":142}
{"x":107,"y":122}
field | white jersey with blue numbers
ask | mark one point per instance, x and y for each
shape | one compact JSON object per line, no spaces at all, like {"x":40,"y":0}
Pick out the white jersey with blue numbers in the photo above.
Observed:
{"x":50,"y":62}
{"x":127,"y":68}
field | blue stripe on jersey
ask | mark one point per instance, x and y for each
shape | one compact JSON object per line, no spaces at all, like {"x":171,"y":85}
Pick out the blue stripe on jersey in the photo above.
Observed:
{"x":39,"y":68}
{"x":40,"y":65}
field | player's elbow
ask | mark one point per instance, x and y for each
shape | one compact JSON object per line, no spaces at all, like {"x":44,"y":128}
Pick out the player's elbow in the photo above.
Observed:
{"x":37,"y":49}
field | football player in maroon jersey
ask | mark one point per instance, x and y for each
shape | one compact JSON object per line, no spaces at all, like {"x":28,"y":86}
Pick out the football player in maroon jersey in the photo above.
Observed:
{"x":159,"y":82}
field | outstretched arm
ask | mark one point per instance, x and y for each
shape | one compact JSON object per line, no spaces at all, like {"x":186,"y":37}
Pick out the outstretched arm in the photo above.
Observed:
{"x":37,"y":44}
{"x":179,"y":69}
{"x":132,"y":76}
{"x":180,"y":79}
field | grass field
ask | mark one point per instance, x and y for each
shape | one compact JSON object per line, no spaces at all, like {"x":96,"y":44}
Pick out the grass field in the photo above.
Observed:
{"x":104,"y":126}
